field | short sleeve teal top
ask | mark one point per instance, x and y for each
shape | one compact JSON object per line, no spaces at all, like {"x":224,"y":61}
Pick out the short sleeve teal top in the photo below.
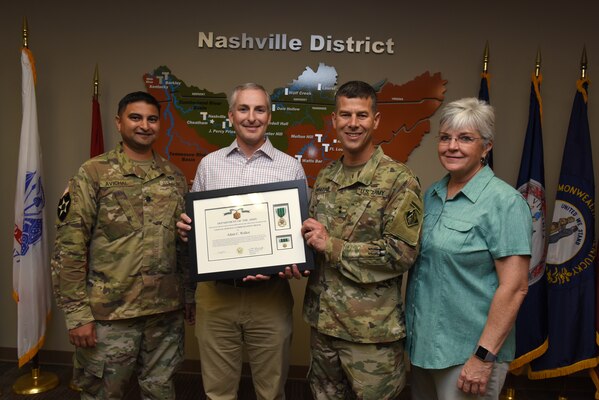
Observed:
{"x":453,"y":282}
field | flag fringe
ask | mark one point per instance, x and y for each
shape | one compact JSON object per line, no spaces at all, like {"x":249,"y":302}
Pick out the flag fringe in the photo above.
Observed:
{"x":516,"y":366}
{"x":595,"y":379}
{"x":536,"y":83}
{"x":25,"y":358}
{"x":580,"y":87}
{"x":563,"y":371}
{"x":32,"y":63}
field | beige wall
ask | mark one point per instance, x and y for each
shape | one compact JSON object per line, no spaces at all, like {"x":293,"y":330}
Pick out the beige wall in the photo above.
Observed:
{"x":129,"y":38}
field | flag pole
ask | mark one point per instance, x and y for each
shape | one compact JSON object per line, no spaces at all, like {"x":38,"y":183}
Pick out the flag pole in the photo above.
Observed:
{"x":96,"y":82}
{"x":486,"y":58}
{"x":37,"y":381}
{"x":96,"y":146}
{"x":583,"y":63}
{"x":483,"y":93}
{"x":25,"y":33}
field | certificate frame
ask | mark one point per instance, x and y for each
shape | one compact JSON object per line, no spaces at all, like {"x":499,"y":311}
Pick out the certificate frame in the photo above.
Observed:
{"x":247,"y":230}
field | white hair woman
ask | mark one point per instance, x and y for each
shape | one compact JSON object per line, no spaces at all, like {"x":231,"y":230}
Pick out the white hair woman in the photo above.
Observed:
{"x":471,"y":276}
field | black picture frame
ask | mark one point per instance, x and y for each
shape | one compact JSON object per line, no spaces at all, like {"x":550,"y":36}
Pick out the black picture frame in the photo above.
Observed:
{"x":248,"y":230}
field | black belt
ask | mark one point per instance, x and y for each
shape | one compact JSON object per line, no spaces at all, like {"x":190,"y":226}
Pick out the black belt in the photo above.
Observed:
{"x":240,"y":283}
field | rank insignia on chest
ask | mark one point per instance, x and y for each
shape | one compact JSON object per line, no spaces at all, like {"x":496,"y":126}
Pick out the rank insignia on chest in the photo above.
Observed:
{"x":63,"y":206}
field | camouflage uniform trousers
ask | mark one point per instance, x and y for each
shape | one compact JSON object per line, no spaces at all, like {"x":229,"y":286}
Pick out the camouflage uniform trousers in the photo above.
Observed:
{"x":150,"y":345}
{"x":346,"y":370}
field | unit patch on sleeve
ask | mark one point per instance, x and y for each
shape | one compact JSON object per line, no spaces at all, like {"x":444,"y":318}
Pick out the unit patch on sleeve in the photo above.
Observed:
{"x":63,"y":206}
{"x":411,"y":215}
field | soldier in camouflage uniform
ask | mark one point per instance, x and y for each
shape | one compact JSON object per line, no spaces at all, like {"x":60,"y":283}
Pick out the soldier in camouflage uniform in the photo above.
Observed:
{"x":115,"y":268}
{"x":366,"y":214}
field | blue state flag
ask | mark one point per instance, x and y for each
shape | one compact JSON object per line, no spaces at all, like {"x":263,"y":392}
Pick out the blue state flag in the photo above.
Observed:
{"x":531,"y":323}
{"x":570,"y":268}
{"x":595,"y":371}
{"x":483,"y":94}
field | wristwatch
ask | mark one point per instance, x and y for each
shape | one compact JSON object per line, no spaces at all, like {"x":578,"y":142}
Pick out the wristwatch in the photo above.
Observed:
{"x":484,"y":355}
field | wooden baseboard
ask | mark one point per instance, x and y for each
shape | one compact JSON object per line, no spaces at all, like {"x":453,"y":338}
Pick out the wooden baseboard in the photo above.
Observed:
{"x":56,"y":357}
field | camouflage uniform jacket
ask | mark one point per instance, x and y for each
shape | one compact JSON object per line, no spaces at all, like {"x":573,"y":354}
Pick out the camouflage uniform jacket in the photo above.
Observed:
{"x":374,"y":221}
{"x":115,"y":253}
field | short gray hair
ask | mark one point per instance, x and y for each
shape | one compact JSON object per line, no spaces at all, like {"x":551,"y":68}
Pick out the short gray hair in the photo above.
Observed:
{"x":248,"y":86}
{"x":470,"y":113}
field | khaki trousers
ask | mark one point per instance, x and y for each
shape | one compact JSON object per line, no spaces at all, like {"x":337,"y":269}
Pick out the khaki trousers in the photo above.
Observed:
{"x":257,"y":318}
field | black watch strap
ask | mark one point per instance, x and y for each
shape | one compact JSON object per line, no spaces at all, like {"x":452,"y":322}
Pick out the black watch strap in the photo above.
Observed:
{"x":484,"y":355}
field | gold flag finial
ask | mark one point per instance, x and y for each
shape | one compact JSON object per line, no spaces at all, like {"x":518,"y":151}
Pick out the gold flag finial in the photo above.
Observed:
{"x":25,"y":33}
{"x":538,"y":63}
{"x":486,"y":58}
{"x":583,"y":63}
{"x":96,"y":81}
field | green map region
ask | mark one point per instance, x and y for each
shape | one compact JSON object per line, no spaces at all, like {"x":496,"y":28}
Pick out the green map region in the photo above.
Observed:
{"x":195,"y":122}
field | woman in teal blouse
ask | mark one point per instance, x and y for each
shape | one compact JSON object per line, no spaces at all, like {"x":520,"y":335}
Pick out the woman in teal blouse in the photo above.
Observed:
{"x":471,"y":276}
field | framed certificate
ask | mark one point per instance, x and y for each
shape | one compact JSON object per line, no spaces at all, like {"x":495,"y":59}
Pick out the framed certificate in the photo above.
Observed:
{"x":248,"y":230}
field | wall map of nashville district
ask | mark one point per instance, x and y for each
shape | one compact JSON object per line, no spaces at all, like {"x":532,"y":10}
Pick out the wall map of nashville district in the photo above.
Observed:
{"x":195,"y":123}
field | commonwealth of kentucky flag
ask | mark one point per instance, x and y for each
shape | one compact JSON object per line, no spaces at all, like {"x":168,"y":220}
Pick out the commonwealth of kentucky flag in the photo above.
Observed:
{"x":483,"y":94}
{"x":571,"y":253}
{"x":531,"y":323}
{"x":595,"y":371}
{"x":31,"y":273}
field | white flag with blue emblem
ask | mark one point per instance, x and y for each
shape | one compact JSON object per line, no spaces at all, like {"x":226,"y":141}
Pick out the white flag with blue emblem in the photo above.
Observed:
{"x":31,"y":272}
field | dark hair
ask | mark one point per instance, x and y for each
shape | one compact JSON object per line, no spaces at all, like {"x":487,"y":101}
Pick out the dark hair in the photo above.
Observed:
{"x":134,"y":98}
{"x":359,"y":89}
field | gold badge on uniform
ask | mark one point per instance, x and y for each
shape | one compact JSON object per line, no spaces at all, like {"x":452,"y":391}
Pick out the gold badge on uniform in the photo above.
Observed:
{"x":63,"y":206}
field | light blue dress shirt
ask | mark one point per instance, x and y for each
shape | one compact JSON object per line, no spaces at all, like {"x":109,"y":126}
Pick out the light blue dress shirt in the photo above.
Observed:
{"x":454,"y":280}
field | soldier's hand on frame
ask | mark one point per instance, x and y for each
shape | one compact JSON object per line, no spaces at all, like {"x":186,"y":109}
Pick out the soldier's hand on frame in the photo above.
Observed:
{"x":83,"y":336}
{"x":315,"y":234}
{"x":183,"y":226}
